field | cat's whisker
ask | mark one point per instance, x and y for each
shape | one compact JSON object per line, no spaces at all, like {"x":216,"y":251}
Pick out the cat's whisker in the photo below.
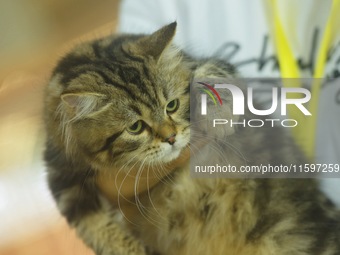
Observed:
{"x":213,"y":145}
{"x":232,"y":147}
{"x":141,"y":208}
{"x":127,"y":174}
{"x":137,"y":180}
{"x":149,"y":193}
{"x":139,"y":204}
{"x":120,"y":196}
{"x":165,"y":177}
{"x":212,"y":141}
{"x":159,"y":171}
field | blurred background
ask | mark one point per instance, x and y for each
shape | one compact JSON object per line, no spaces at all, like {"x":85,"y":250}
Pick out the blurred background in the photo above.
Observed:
{"x":34,"y":34}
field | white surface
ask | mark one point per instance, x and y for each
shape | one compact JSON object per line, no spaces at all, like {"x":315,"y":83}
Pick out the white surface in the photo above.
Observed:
{"x":26,"y":206}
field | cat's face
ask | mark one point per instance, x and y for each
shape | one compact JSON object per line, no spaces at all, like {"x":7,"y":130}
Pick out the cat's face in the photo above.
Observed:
{"x":124,"y":100}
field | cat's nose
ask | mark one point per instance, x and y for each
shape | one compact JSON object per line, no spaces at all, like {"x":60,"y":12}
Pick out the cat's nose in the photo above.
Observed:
{"x":171,"y":139}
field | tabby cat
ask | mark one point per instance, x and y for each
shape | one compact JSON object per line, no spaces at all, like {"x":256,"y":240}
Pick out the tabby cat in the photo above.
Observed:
{"x":121,"y":103}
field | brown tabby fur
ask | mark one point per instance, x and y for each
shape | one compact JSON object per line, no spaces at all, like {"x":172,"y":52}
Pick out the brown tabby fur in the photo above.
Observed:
{"x":98,"y":91}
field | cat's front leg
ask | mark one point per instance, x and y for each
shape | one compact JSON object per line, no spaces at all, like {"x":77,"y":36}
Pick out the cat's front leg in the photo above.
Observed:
{"x":96,"y":222}
{"x":104,"y":233}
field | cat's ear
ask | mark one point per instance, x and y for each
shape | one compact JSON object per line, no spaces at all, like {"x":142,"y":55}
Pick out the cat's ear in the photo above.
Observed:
{"x":153,"y":45}
{"x":82,"y":103}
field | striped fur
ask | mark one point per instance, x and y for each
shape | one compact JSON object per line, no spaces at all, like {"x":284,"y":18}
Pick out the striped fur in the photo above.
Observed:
{"x":97,"y":95}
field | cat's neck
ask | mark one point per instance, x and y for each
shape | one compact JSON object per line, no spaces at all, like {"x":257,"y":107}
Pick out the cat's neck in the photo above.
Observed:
{"x":118,"y":186}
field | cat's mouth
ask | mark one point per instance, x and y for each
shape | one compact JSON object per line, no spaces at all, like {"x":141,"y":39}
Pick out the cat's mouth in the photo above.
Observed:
{"x":167,"y":152}
{"x":172,"y":152}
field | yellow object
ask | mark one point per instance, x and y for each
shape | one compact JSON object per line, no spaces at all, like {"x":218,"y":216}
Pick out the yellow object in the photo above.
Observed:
{"x":305,"y":132}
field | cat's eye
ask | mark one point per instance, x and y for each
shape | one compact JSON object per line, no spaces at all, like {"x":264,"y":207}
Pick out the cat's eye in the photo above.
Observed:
{"x":136,"y":128}
{"x":172,"y":106}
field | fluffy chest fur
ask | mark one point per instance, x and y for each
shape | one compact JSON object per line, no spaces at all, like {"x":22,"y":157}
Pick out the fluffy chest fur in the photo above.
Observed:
{"x":227,"y":216}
